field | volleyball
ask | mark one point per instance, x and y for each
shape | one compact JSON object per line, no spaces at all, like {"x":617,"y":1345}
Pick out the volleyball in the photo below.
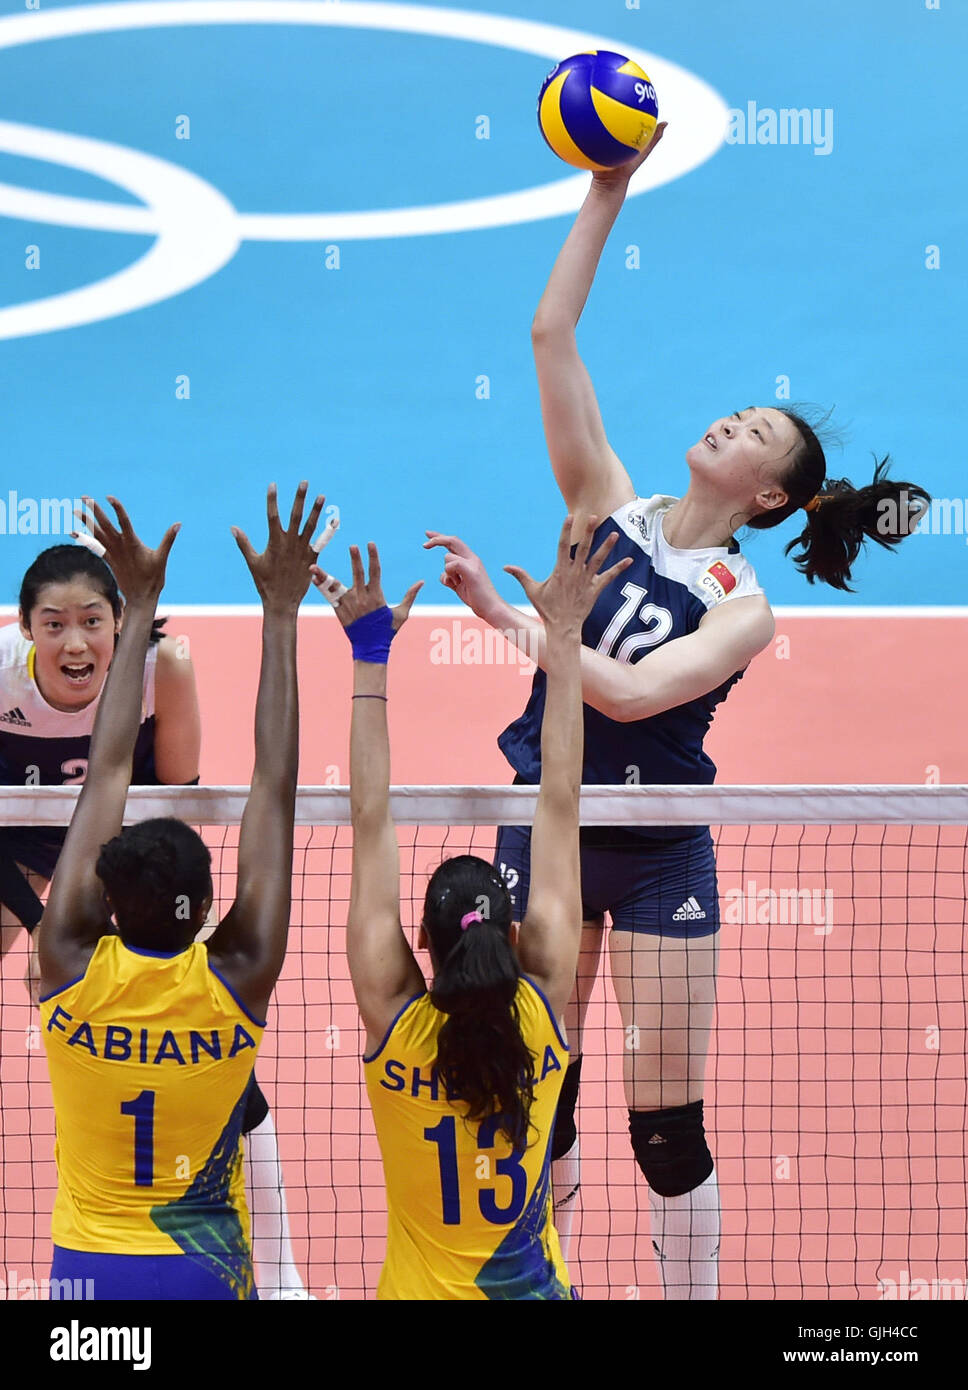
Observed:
{"x":597,"y":110}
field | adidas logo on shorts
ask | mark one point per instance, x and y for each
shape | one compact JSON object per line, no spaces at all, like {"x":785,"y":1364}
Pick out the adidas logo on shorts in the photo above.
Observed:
{"x":689,"y":912}
{"x":15,"y":716}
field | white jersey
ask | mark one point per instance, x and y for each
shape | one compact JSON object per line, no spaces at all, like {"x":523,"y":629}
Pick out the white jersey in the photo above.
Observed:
{"x":43,"y":746}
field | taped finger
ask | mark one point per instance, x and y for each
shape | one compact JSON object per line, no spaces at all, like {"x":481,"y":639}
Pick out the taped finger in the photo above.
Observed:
{"x":331,"y":589}
{"x":329,"y":531}
{"x":88,"y":541}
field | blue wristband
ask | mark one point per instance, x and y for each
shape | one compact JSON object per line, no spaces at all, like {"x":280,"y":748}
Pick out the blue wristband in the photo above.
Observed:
{"x":371,"y":636}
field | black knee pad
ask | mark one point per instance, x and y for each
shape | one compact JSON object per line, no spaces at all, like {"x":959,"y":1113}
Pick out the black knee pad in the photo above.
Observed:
{"x":670,"y":1147}
{"x":256,"y":1107}
{"x":565,"y":1133}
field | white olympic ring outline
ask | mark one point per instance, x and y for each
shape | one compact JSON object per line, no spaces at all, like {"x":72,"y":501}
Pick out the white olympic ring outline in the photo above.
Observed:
{"x":198,"y":230}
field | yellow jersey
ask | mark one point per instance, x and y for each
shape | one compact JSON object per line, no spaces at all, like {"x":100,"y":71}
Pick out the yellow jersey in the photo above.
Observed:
{"x":468,"y":1218}
{"x":150,"y":1055}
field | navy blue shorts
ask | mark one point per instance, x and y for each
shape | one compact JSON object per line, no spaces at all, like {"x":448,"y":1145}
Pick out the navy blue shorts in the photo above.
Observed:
{"x":37,"y":848}
{"x":664,"y":888}
{"x":147,"y":1278}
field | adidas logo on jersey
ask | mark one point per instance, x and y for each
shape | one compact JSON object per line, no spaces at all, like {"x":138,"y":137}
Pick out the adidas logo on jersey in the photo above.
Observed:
{"x":640,"y":524}
{"x":15,"y":716}
{"x":690,"y":911}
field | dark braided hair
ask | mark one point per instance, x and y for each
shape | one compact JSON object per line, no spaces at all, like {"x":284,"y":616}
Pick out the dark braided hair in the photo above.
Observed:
{"x":843,"y":517}
{"x":482,"y":1058}
{"x":157,"y":874}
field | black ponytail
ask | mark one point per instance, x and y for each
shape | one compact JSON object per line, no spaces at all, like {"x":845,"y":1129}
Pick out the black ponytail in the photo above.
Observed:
{"x":482,"y":1058}
{"x":840,"y":518}
{"x":59,"y":564}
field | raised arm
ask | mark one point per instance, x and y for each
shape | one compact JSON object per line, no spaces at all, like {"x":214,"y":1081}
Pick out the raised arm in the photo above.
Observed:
{"x":551,"y":931}
{"x":249,"y":945}
{"x":75,"y":917}
{"x":726,"y":640}
{"x":588,"y":471}
{"x":382,"y":965}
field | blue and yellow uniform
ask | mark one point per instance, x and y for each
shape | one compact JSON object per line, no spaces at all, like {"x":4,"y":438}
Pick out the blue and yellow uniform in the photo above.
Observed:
{"x":660,"y":880}
{"x":150,"y":1057}
{"x":467,"y":1217}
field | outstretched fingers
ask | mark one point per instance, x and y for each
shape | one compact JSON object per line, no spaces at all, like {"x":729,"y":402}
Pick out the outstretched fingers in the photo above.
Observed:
{"x":564,"y":540}
{"x":524,"y":579}
{"x":608,"y":576}
{"x":329,"y":531}
{"x":402,"y":610}
{"x":97,"y":522}
{"x":272,"y":506}
{"x":167,"y":541}
{"x":295,"y":515}
{"x":311,"y":522}
{"x":331,"y":588}
{"x":356,"y":562}
{"x":127,"y":530}
{"x":245,"y":545}
{"x":452,"y":543}
{"x":603,"y":552}
{"x":585,"y":543}
{"x":376,"y":573}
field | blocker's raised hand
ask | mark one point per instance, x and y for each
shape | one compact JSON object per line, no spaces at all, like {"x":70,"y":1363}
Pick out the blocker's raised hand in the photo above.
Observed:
{"x":366,"y":595}
{"x":568,"y":595}
{"x":282,"y":572}
{"x":139,"y":570}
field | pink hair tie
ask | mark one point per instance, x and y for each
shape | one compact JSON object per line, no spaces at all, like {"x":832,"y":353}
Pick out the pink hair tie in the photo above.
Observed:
{"x":468,"y":918}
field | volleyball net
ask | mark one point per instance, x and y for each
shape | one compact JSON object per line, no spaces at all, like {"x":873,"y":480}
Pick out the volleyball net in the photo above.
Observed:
{"x":836,"y":1081}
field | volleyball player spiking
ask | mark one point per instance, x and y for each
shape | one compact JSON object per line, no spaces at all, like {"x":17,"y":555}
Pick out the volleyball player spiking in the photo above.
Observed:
{"x":151,"y":1035}
{"x":661,"y":651}
{"x":473,"y":1068}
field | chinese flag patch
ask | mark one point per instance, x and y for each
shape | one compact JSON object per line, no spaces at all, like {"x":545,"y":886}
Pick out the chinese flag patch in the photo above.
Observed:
{"x":725,"y":576}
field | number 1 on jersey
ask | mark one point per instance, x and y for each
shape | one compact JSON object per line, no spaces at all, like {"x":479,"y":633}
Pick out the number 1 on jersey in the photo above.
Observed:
{"x":143,"y":1110}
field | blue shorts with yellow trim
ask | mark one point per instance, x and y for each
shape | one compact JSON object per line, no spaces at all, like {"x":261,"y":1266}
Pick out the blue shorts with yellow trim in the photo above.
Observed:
{"x":662,"y":888}
{"x":84,"y":1274}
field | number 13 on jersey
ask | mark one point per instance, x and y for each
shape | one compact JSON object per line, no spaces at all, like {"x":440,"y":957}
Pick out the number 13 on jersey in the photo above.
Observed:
{"x":444,"y":1135}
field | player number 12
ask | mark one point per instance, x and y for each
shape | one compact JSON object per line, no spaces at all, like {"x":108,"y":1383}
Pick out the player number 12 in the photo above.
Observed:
{"x":658,"y":620}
